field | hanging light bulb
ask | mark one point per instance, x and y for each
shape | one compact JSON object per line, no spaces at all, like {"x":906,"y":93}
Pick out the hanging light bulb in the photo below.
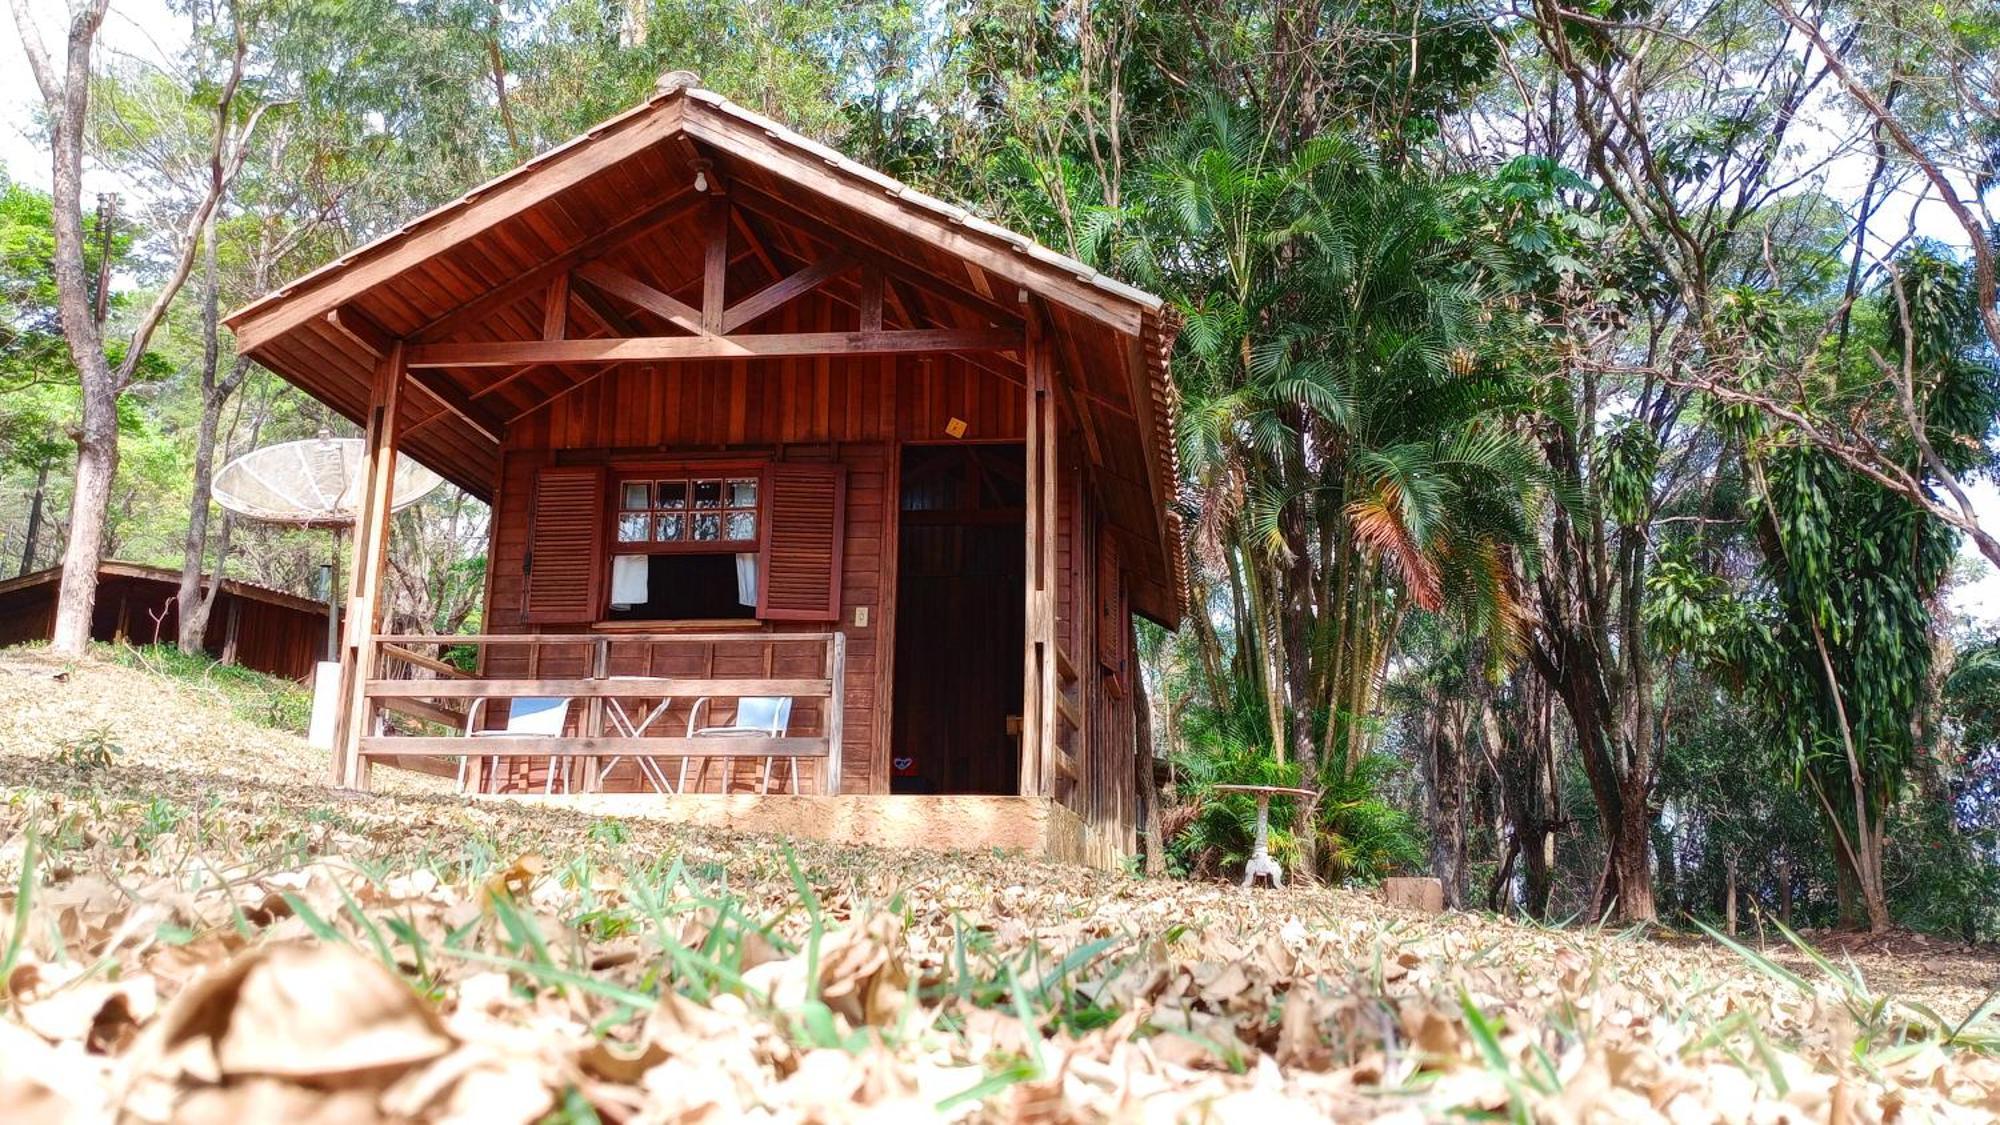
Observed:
{"x":701,"y":181}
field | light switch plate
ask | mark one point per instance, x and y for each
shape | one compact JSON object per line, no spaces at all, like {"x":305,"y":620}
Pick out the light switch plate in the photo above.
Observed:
{"x":861,"y":617}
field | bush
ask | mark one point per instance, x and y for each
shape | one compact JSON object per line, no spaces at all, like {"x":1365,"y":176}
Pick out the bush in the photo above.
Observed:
{"x":1358,"y":835}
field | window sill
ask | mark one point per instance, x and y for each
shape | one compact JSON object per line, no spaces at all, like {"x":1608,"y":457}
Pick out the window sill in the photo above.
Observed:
{"x":715,"y":625}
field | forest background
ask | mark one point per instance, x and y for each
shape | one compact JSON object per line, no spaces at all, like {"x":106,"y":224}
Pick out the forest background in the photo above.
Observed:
{"x":1589,"y":408}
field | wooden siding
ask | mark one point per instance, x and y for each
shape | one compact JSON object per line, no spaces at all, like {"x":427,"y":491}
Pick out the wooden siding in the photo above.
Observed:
{"x":284,"y":636}
{"x":852,"y":410}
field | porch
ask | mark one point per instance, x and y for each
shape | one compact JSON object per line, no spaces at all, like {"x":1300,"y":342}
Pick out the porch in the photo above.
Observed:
{"x":622,"y":697}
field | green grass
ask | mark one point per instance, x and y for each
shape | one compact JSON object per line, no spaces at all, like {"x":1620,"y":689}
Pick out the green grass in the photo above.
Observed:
{"x":270,"y":701}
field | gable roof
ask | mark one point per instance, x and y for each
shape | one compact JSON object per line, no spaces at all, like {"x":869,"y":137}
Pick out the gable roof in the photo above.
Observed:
{"x":115,"y":568}
{"x":476,"y":268}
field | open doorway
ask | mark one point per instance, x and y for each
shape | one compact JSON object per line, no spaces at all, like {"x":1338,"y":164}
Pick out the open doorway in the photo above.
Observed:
{"x":959,"y":602}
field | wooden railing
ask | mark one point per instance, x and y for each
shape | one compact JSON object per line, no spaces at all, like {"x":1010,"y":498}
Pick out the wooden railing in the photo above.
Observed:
{"x":586,"y":669}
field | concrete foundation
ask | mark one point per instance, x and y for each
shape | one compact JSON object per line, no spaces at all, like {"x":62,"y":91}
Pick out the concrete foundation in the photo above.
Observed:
{"x":1033,"y":826}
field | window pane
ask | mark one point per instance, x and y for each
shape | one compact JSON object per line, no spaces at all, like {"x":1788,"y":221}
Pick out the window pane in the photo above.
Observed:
{"x":637,"y":496}
{"x":672,"y":494}
{"x":632,"y":528}
{"x":670,"y":529}
{"x":708,"y":527}
{"x":708,"y":494}
{"x":742,"y":525}
{"x":743,"y":493}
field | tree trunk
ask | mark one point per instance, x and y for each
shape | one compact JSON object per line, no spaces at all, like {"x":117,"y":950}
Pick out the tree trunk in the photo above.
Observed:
{"x":34,"y":530}
{"x":1503,"y":874}
{"x":1447,"y":801}
{"x":194,"y":549}
{"x":1629,"y":891}
{"x":1847,"y":892}
{"x":1863,"y":895}
{"x":67,"y":100}
{"x":1625,"y":887}
{"x":1783,"y":868}
{"x":96,"y":467}
{"x":195,"y":604}
{"x":1522,"y":770}
{"x":1729,"y":895}
{"x":1538,"y":858}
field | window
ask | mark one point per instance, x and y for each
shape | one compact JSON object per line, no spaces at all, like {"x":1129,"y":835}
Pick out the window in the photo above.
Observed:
{"x":684,"y":587}
{"x":685,"y":547}
{"x":749,"y":539}
{"x":688,"y":511}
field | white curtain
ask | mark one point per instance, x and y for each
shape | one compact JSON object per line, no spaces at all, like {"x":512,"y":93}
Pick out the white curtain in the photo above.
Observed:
{"x":746,"y":578}
{"x":628,"y":581}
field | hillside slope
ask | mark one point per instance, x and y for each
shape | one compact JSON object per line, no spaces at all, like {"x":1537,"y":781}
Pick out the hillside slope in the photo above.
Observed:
{"x":212,"y":933}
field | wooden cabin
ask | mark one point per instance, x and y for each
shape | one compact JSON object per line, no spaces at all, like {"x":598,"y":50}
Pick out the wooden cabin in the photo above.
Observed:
{"x":756,"y":421}
{"x":259,"y":628}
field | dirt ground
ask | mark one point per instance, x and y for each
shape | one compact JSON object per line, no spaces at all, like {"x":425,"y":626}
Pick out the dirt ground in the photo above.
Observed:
{"x":189,"y":901}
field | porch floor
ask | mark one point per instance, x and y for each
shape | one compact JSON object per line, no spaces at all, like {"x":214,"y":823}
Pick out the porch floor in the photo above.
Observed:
{"x":1037,"y":827}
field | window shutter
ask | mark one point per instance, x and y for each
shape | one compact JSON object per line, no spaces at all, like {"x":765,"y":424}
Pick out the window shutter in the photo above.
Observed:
{"x":804,"y":520}
{"x":565,"y":575}
{"x":1111,"y":611}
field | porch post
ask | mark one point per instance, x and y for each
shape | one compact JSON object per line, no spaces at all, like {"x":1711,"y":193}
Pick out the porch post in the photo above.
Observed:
{"x":355,"y":716}
{"x":836,"y":708}
{"x":1038,"y":689}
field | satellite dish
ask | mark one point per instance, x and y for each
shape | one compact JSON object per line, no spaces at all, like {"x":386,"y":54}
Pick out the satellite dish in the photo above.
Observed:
{"x":312,"y":483}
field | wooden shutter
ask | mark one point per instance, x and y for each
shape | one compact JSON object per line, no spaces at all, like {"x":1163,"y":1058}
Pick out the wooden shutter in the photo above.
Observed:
{"x":798,"y":571}
{"x":565,"y":571}
{"x":1111,"y":611}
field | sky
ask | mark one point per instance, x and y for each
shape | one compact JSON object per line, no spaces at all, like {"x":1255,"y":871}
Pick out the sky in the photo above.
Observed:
{"x":148,"y":32}
{"x":143,"y":30}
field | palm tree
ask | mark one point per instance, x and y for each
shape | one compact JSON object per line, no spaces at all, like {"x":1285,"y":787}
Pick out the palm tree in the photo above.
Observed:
{"x":1352,"y":454}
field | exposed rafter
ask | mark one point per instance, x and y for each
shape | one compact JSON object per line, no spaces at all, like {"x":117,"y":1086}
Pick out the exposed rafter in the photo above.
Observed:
{"x":555,"y":308}
{"x":481,"y":308}
{"x":783,"y":291}
{"x":715,"y":263}
{"x":779,"y":211}
{"x":371,"y":337}
{"x":341,"y":281}
{"x":630,"y":289}
{"x":513,"y":353}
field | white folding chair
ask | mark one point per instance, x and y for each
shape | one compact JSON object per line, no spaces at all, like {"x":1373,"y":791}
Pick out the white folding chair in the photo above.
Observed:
{"x":757,"y":716}
{"x":531,"y":716}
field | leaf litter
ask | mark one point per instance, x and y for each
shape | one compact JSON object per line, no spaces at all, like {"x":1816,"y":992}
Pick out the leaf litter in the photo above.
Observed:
{"x":204,"y":932}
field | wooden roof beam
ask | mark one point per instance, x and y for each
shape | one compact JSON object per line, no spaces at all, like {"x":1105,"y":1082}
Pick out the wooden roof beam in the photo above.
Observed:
{"x":784,"y":291}
{"x":588,"y":379}
{"x":780,"y":211}
{"x":478,"y":309}
{"x":555,"y":308}
{"x":341,"y":281}
{"x":754,"y":238}
{"x":359,"y":329}
{"x":715,"y":263}
{"x":455,"y":402}
{"x":608,"y":320}
{"x":635,"y":348}
{"x":504,"y":381}
{"x":755,"y":147}
{"x":630,"y":289}
{"x":1072,"y":389}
